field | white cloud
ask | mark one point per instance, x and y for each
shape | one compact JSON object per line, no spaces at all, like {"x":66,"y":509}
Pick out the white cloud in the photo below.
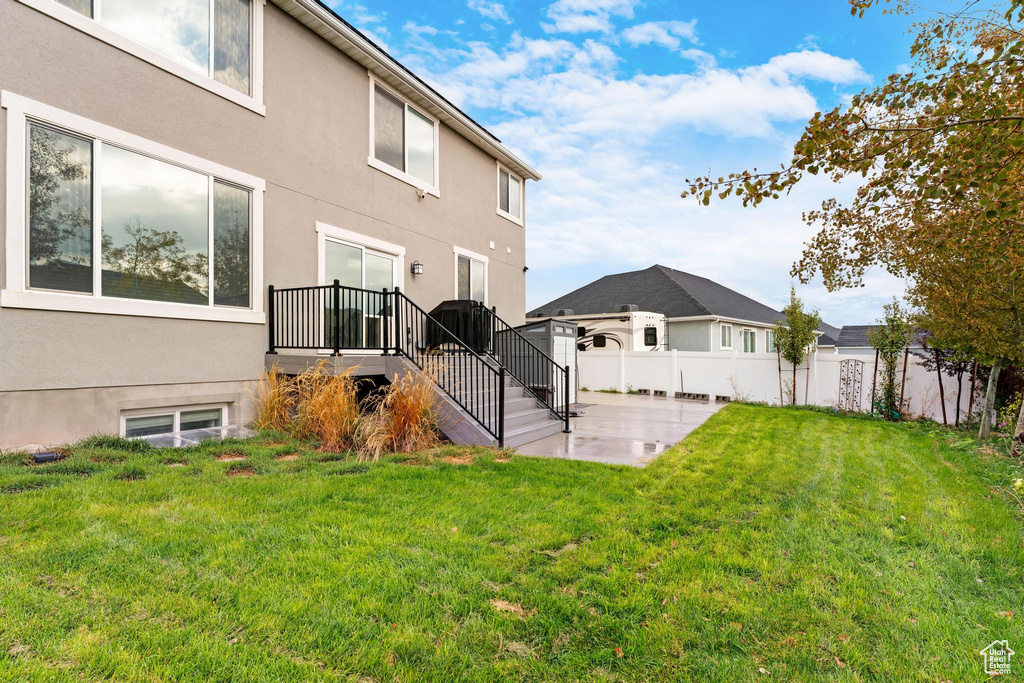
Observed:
{"x":586,"y":16}
{"x":490,"y":9}
{"x":819,"y":65}
{"x":668,"y":34}
{"x":615,"y":149}
{"x":412,"y":28}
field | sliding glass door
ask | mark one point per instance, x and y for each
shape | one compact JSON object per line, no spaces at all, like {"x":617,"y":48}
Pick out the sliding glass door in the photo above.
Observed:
{"x":362,"y":313}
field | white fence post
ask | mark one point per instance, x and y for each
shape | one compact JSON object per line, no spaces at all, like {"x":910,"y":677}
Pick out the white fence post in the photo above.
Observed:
{"x":622,"y":371}
{"x":675,"y":373}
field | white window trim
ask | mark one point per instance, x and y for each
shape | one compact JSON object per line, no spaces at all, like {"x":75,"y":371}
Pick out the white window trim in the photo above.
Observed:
{"x":327,"y":232}
{"x":374,"y":162}
{"x":722,"y":326}
{"x":94,"y":28}
{"x":522,"y":195}
{"x":20,"y":111}
{"x":459,"y":251}
{"x":769,"y":340}
{"x":176,"y":412}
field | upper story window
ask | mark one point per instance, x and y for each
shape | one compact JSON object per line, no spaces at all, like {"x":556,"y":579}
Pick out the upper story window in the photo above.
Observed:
{"x":510,"y":195}
{"x":117,"y":224}
{"x":403,"y":140}
{"x":212,"y":43}
{"x":770,"y":341}
{"x":213,"y":37}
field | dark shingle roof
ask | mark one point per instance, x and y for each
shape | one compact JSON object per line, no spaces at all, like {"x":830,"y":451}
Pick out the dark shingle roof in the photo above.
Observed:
{"x":660,"y":290}
{"x":829,"y":335}
{"x":855,"y":335}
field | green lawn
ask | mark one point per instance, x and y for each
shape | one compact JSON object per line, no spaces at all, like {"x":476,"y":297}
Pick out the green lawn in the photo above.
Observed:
{"x":772,"y":541}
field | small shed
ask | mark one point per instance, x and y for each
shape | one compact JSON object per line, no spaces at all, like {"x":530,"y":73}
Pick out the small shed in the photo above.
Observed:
{"x":556,"y":338}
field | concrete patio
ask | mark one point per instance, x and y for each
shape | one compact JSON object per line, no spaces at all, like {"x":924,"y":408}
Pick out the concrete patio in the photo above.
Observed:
{"x":620,"y":429}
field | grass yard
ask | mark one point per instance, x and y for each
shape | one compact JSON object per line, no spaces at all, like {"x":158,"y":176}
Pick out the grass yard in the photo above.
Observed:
{"x":772,"y":542}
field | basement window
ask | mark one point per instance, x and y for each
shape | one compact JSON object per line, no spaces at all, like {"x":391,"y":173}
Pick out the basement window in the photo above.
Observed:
{"x":138,"y":424}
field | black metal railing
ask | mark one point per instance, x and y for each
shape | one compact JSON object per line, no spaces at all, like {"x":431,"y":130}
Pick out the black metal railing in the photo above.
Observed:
{"x":526,"y":363}
{"x":330,"y":317}
{"x":466,"y":376}
{"x":336,"y":318}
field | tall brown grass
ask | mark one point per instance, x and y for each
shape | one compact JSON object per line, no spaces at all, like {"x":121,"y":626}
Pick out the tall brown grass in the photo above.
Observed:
{"x":404,"y":418}
{"x":274,"y":401}
{"x":327,"y":407}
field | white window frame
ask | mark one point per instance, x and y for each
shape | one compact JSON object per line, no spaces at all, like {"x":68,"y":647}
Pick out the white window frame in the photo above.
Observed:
{"x":92,"y":26}
{"x":473,"y":256}
{"x":743,"y":335}
{"x":522,"y":195}
{"x":176,"y":412}
{"x":332,"y":233}
{"x":769,"y":341}
{"x":16,"y":294}
{"x":405,"y":177}
{"x":721,"y":333}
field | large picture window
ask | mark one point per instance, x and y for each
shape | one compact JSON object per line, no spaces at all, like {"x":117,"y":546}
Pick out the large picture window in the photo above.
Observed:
{"x":403,"y":140}
{"x":212,"y":37}
{"x":117,"y":224}
{"x":154,"y":226}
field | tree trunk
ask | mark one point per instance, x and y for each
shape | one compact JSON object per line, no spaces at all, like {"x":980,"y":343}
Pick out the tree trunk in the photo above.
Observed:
{"x":942,"y":393}
{"x":1018,"y":434}
{"x":970,"y":401}
{"x":990,"y":400}
{"x":794,"y":383}
{"x":903,"y":382}
{"x":959,"y":393}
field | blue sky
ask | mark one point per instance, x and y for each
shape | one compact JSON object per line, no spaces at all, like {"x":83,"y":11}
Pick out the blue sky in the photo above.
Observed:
{"x":616,"y":102}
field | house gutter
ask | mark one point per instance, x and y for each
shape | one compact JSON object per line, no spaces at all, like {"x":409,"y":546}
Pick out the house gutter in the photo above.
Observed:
{"x":386,"y":68}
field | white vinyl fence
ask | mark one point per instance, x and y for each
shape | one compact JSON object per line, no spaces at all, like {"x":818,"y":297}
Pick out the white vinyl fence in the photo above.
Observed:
{"x":756,"y":377}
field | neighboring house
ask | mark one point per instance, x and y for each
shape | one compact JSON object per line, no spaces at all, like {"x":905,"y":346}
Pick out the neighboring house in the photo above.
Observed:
{"x":163,"y":164}
{"x":856,"y":340}
{"x":827,"y":338}
{"x":659,"y":309}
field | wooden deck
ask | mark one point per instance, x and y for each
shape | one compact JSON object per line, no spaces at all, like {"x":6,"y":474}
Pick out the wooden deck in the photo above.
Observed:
{"x":365,"y":364}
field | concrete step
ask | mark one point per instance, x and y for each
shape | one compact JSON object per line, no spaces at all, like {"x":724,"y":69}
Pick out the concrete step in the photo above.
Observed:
{"x":532,"y":432}
{"x":522,"y":418}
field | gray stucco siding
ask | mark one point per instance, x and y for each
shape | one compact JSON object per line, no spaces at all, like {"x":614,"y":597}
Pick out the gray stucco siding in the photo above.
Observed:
{"x":311,"y":148}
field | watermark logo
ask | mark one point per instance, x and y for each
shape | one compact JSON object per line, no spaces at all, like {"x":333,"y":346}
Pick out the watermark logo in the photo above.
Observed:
{"x":997,"y":658}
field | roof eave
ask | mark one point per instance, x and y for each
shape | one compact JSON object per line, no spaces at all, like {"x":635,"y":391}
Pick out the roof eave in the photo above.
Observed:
{"x":354,"y":44}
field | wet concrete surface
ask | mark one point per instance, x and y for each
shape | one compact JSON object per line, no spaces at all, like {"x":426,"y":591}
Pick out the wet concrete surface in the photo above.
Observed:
{"x":620,"y":429}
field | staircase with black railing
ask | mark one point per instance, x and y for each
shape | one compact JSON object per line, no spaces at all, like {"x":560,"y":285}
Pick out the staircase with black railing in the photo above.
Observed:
{"x":528,"y":365}
{"x":333,"y":318}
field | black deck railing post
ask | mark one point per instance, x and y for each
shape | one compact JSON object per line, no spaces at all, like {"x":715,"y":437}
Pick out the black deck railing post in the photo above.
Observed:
{"x":399,"y":334}
{"x":336,"y":309}
{"x":385,"y":347}
{"x":271,"y":323}
{"x":566,"y":430}
{"x":501,"y":406}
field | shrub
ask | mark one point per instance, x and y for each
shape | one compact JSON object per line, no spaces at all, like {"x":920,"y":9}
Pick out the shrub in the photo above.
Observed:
{"x":274,"y":400}
{"x":403,"y":418}
{"x":326,"y":407}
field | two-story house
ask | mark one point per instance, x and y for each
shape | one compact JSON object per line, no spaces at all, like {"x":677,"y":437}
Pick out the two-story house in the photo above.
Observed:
{"x":165,"y":162}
